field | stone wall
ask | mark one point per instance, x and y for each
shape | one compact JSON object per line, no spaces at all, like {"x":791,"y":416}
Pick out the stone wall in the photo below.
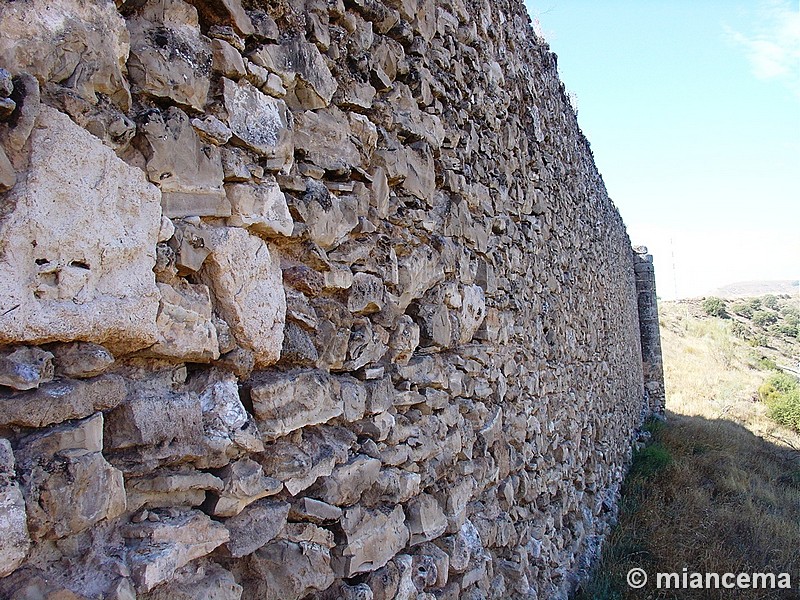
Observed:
{"x":652,"y":364}
{"x":303,"y":299}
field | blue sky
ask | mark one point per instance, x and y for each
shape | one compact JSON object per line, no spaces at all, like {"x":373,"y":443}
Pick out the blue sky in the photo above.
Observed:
{"x":692,"y":109}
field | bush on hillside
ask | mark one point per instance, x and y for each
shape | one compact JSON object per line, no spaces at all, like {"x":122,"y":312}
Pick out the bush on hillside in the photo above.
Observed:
{"x":715,"y":307}
{"x":781,"y":394}
{"x":764,"y":318}
{"x":742,"y":309}
{"x":770,"y":301}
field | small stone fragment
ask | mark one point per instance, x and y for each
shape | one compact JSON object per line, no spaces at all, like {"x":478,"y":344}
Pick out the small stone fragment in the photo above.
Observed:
{"x":81,"y":359}
{"x":260,"y":207}
{"x":26,"y":368}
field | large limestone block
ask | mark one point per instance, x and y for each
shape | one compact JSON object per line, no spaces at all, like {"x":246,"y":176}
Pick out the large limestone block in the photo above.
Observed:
{"x":288,"y":571}
{"x":78,"y":249}
{"x":284,"y":402}
{"x":259,"y":122}
{"x":169,"y":56}
{"x":188,"y":171}
{"x":347,"y":482}
{"x":80,"y":45}
{"x":371,"y":538}
{"x":157,"y":549}
{"x":14,"y":539}
{"x":247,"y":284}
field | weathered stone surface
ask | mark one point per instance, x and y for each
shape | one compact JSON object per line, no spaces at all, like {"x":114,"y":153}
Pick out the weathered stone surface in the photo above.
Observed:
{"x":260,"y":123}
{"x":188,"y":171}
{"x":62,"y":400}
{"x":473,"y":311}
{"x":8,"y":177}
{"x":80,"y":46}
{"x":68,"y":484}
{"x":199,"y":580}
{"x":81,"y":359}
{"x":288,"y":571}
{"x":315,"y":86}
{"x":224,"y":12}
{"x":315,"y":511}
{"x":227,"y":60}
{"x":185,"y":327}
{"x":371,"y":538}
{"x":26,"y":368}
{"x":79,"y":246}
{"x":260,"y":207}
{"x":14,"y":539}
{"x":313,"y":453}
{"x":322,"y":137}
{"x":344,"y":486}
{"x":328,"y":217}
{"x":256,"y":526}
{"x":284,"y":402}
{"x":158,"y":549}
{"x":184,"y":488}
{"x":426,"y":519}
{"x":246,"y":283}
{"x":169,"y":57}
{"x":404,"y":340}
{"x":244,"y":482}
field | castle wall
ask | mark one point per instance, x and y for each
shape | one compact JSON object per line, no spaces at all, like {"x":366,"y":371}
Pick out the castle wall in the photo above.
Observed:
{"x":312,"y":299}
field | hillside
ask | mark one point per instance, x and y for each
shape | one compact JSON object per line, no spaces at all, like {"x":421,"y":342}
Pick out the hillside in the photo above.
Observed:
{"x":717,"y":487}
{"x":744,"y":289}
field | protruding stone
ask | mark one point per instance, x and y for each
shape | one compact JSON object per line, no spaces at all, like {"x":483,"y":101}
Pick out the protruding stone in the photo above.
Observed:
{"x":260,"y":123}
{"x":246,"y":282}
{"x":199,"y":580}
{"x":371,"y":538}
{"x":244,"y":483}
{"x":62,"y":400}
{"x":255,"y":526}
{"x":79,"y":246}
{"x":68,"y":484}
{"x":315,"y":511}
{"x":185,"y":328}
{"x":426,"y":519}
{"x":323,"y":138}
{"x":26,"y":368}
{"x":186,"y":488}
{"x":288,"y":571}
{"x":158,"y":549}
{"x":284,"y":402}
{"x":344,"y":486}
{"x":316,"y":85}
{"x":169,"y":56}
{"x":14,"y":539}
{"x":367,"y":294}
{"x":81,"y":359}
{"x":8,"y":177}
{"x":260,"y":207}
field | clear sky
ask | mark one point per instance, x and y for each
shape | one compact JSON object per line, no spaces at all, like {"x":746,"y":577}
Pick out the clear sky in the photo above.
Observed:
{"x":692,"y":109}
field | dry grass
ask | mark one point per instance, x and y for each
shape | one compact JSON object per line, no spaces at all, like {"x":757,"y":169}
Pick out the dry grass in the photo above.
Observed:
{"x":718,"y":490}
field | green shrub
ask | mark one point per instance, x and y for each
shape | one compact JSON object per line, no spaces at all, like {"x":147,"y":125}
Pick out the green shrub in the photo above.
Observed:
{"x":763,"y":318}
{"x":742,"y":309}
{"x":740,"y":330}
{"x":770,"y":301}
{"x":715,"y":307}
{"x":765,"y":363}
{"x":781,"y":393}
{"x":755,"y":303}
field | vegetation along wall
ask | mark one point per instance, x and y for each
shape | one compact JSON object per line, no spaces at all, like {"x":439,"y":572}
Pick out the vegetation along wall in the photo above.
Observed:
{"x":304,"y":299}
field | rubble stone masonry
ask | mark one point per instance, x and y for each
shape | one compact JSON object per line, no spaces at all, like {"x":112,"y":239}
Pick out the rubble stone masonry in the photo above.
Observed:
{"x":305,"y":299}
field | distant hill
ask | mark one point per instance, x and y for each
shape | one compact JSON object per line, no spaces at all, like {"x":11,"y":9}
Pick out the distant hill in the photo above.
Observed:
{"x":748,"y":289}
